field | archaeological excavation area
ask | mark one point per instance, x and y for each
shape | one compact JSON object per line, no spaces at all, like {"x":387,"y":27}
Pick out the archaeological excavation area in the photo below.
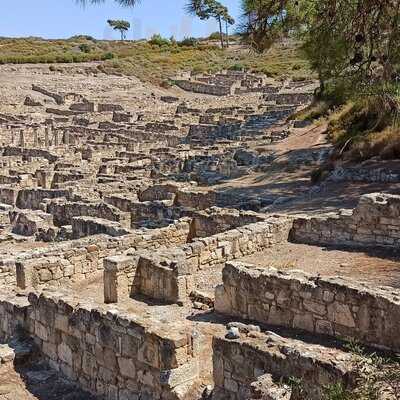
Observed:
{"x":138,"y":262}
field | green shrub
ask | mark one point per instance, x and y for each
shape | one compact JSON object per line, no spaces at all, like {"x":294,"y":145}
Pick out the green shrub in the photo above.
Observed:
{"x":237,"y":67}
{"x":158,"y":40}
{"x":189,"y":42}
{"x":82,"y":37}
{"x":215,"y":36}
{"x":336,"y":392}
{"x":107,"y":56}
{"x":84,"y":48}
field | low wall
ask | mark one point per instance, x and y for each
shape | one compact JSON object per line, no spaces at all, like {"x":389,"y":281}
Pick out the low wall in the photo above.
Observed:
{"x":332,"y":306}
{"x":8,"y":195}
{"x":81,"y":259}
{"x":107,"y":353}
{"x":59,"y":99}
{"x":88,"y":226}
{"x":168,"y":275}
{"x":199,"y":87}
{"x":289,"y":98}
{"x":369,"y":175}
{"x":166,"y":278}
{"x":236,"y":243}
{"x":32,"y":198}
{"x":216,"y":220}
{"x":30,"y":153}
{"x":374,"y":222}
{"x":195,"y":199}
{"x":8,"y":274}
{"x":238,"y":364}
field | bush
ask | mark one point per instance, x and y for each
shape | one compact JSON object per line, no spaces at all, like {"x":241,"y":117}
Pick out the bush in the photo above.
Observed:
{"x":237,"y":67}
{"x":215,"y":36}
{"x":189,"y":42}
{"x":320,"y":174}
{"x":158,"y":40}
{"x":84,"y":48}
{"x":83,"y":37}
{"x":385,"y":144}
{"x":313,"y":112}
{"x":166,"y":84}
{"x":173,"y":40}
{"x":107,"y":56}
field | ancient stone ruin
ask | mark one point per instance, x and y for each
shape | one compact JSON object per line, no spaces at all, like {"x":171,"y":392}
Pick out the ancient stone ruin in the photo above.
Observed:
{"x":128,"y":273}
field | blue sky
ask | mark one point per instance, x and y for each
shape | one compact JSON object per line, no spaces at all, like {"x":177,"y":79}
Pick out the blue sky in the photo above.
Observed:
{"x":63,"y":18}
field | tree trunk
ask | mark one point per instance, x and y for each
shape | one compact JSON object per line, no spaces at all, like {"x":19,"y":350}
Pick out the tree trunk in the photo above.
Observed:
{"x":220,"y":32}
{"x":122,"y":35}
{"x":227,"y":33}
{"x":322,"y":87}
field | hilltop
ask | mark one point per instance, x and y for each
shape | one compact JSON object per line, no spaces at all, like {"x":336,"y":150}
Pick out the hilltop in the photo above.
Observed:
{"x":156,"y":61}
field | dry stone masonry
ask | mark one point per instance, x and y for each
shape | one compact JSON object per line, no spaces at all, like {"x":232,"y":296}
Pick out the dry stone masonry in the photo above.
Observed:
{"x":122,"y":239}
{"x":334,"y":307}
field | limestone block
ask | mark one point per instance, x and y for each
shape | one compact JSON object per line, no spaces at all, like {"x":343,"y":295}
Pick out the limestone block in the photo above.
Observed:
{"x":340,"y":313}
{"x":127,"y":367}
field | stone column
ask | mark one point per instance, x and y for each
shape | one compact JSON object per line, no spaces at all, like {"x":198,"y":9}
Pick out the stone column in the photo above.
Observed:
{"x":65,"y":138}
{"x":46,"y":137}
{"x":55,"y":137}
{"x":24,"y":275}
{"x":118,"y":270}
{"x":21,"y":138}
{"x":35,"y":137}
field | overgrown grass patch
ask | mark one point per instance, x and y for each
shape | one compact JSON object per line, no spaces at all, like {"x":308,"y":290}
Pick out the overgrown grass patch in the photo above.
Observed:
{"x":158,"y":60}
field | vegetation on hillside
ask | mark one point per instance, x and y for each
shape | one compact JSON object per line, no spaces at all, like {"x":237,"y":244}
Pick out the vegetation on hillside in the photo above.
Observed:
{"x":354,"y":49}
{"x":158,"y":59}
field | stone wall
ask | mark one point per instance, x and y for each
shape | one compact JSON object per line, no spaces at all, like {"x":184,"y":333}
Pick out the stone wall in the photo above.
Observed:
{"x":105,"y":352}
{"x":216,"y":220}
{"x":88,"y":226}
{"x":289,"y":98}
{"x":64,"y":212}
{"x":237,"y":243}
{"x":32,"y":198}
{"x":8,"y":195}
{"x":8,"y":274}
{"x":374,"y":222}
{"x":331,"y":306}
{"x":80,"y":259}
{"x":167,"y":277}
{"x":163,"y":276}
{"x":191,"y":198}
{"x":240,"y":363}
{"x":204,"y":88}
{"x":30,"y":153}
{"x":59,"y":99}
{"x":368,"y":175}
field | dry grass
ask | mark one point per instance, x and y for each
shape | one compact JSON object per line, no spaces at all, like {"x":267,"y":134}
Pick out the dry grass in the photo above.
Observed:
{"x":152,"y":62}
{"x":315,"y":111}
{"x":364,"y":129}
{"x":385,"y":144}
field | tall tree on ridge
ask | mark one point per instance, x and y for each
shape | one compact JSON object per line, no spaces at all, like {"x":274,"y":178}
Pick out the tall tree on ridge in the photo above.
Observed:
{"x":124,"y":3}
{"x":120,"y":25}
{"x":206,"y":9}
